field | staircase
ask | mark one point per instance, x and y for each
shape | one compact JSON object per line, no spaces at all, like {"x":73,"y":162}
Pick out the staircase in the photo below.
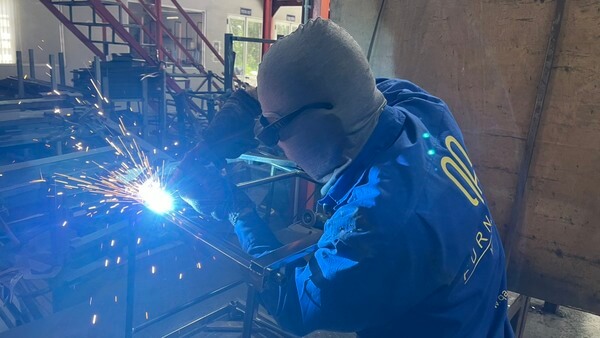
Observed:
{"x":110,"y":23}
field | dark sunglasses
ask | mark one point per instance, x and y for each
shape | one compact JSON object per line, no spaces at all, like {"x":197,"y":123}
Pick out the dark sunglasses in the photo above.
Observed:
{"x":269,"y":135}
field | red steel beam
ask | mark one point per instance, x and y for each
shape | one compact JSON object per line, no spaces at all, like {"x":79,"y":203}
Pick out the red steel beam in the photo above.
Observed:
{"x":70,"y":26}
{"x":173,"y":37}
{"x":197,"y":30}
{"x":121,"y":31}
{"x":151,"y":36}
{"x":124,"y":34}
{"x":267,"y":32}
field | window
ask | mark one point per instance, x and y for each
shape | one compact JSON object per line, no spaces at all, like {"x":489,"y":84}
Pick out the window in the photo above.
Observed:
{"x":283,"y":28}
{"x":7,"y":32}
{"x":247,"y":54}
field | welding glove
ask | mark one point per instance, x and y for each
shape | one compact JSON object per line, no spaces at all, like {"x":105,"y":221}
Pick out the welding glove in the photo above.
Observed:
{"x":231,"y":132}
{"x":210,"y":193}
{"x":207,"y":191}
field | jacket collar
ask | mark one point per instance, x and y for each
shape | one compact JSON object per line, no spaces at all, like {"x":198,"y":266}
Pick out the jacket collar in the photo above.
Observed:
{"x":388,"y":129}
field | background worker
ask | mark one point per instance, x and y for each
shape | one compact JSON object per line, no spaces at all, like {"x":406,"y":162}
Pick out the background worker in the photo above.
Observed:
{"x":410,"y":249}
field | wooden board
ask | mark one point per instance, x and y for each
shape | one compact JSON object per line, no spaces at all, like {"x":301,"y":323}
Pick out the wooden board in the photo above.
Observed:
{"x":485,"y":60}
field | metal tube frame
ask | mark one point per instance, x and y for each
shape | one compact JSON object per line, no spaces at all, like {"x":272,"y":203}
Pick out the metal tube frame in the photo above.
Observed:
{"x":189,"y":304}
{"x":230,"y":56}
{"x":20,"y":76}
{"x":267,"y":32}
{"x":61,"y":68}
{"x":131,"y":248}
{"x":98,"y":79}
{"x":31,"y":64}
{"x":257,"y":271}
{"x":52,"y":72}
{"x":229,"y":62}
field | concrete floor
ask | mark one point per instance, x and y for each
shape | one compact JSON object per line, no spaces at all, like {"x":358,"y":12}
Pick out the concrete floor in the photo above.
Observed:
{"x":566,"y":323}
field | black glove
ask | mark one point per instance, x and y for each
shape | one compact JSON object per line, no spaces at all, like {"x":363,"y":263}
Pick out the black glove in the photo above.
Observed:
{"x":210,"y":193}
{"x":231,"y":132}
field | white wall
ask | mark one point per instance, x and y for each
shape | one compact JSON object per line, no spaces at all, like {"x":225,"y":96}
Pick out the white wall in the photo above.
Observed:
{"x":36,"y":28}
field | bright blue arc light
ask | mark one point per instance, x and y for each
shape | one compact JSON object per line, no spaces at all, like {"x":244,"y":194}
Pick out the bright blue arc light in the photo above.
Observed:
{"x":155,"y":198}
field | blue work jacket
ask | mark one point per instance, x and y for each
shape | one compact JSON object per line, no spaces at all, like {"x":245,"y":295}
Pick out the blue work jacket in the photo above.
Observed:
{"x":411,"y":249}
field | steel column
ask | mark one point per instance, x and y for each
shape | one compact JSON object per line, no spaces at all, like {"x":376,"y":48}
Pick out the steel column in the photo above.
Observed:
{"x":306,"y":10}
{"x":267,"y":32}
{"x":31,"y":65}
{"x":52,"y":72}
{"x":229,"y":61}
{"x":20,"y":83}
{"x":61,"y":68}
{"x":251,"y":308}
{"x":98,"y":80}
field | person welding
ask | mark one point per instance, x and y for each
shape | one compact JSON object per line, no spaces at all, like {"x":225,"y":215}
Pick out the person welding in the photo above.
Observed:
{"x":411,"y":249}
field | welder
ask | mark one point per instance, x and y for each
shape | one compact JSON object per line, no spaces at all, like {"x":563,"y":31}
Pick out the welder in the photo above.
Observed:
{"x":410,"y":249}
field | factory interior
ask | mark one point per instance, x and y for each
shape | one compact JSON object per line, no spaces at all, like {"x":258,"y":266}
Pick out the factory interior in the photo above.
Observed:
{"x":102,"y":102}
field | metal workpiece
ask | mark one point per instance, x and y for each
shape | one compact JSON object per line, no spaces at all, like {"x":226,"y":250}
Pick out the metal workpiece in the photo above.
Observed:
{"x":271,"y":179}
{"x":280,"y":163}
{"x":256,"y":270}
{"x":186,"y":305}
{"x":257,"y":273}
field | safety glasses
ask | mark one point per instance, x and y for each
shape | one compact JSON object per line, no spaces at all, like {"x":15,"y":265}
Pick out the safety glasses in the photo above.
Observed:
{"x":269,"y":135}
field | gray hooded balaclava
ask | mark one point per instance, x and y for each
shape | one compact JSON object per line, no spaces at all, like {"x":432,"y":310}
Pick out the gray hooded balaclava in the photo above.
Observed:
{"x":320,"y":62}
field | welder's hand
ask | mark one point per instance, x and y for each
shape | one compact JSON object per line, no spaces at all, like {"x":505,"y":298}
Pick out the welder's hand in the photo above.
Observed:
{"x":231,"y":132}
{"x":210,"y":193}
